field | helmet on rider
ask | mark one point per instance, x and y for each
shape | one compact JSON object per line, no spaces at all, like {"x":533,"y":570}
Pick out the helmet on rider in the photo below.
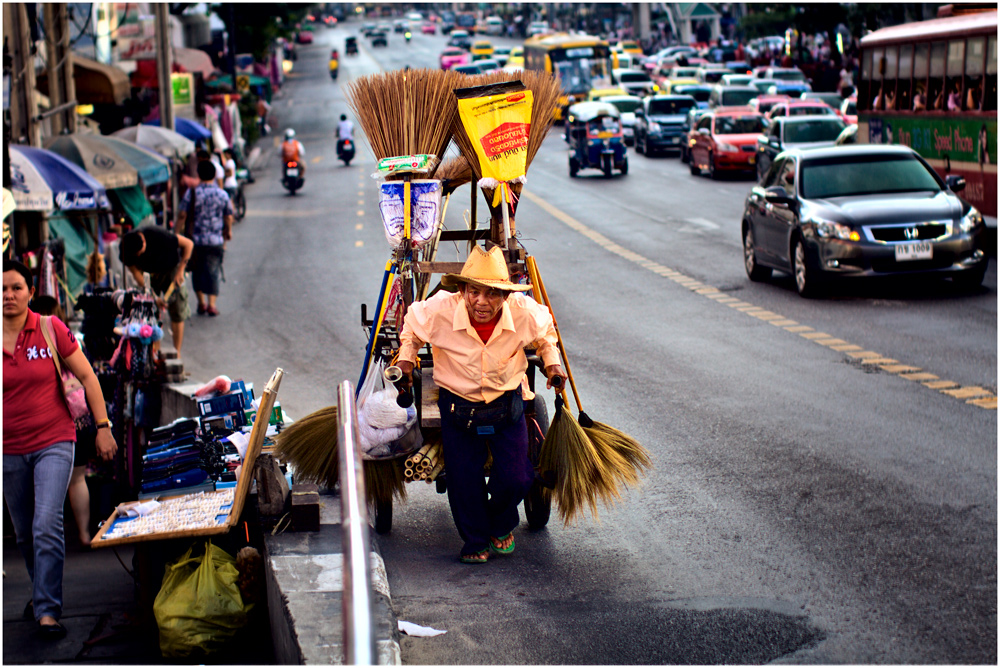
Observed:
{"x":343,"y":117}
{"x":289,"y":134}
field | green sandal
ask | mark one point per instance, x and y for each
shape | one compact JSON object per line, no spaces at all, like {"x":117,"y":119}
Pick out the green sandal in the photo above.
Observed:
{"x":475,"y":558}
{"x":496,"y":542}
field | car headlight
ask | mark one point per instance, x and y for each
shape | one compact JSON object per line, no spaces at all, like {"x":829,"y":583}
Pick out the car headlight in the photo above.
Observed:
{"x":971,"y":220}
{"x":654,"y":126}
{"x":828,"y":230}
{"x":727,"y":148}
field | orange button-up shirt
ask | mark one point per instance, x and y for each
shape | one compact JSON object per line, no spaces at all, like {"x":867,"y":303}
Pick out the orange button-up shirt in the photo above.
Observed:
{"x":466,"y":366}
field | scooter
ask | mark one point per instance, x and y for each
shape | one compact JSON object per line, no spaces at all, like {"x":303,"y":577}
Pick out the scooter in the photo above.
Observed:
{"x":345,"y":150}
{"x":334,"y":64}
{"x":291,"y":178}
{"x":407,"y":35}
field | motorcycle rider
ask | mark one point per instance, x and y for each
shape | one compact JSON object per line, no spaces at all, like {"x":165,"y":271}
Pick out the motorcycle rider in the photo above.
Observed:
{"x":345,"y":132}
{"x":292,"y":150}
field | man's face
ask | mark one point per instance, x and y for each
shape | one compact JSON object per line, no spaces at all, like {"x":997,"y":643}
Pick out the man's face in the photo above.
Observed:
{"x":483,"y":303}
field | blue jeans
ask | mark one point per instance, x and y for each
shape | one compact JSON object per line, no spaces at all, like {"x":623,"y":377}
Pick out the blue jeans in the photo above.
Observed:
{"x":34,"y":487}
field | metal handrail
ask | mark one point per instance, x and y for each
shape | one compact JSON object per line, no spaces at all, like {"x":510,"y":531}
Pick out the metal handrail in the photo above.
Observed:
{"x":359,"y":636}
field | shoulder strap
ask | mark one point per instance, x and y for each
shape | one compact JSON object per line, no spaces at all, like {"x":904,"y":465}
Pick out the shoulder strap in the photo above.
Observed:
{"x":49,"y":334}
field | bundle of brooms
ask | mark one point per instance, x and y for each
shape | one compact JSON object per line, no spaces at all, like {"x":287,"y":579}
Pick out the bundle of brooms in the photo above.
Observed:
{"x":545,"y":92}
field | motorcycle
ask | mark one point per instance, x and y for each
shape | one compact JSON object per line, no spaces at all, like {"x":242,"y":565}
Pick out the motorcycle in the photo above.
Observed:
{"x":407,"y":35}
{"x":291,"y":179}
{"x":345,"y":150}
{"x":334,"y":64}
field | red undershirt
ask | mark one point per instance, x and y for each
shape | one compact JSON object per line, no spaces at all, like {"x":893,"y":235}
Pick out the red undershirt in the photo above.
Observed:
{"x":485,"y":330}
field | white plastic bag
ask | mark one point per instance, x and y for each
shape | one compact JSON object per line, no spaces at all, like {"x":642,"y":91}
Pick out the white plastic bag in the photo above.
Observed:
{"x":373,"y":382}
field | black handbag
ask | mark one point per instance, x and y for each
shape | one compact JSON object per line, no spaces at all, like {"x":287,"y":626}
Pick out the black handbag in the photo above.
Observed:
{"x":485,"y":418}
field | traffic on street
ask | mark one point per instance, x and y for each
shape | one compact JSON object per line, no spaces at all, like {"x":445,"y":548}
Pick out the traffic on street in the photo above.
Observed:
{"x":823,"y":486}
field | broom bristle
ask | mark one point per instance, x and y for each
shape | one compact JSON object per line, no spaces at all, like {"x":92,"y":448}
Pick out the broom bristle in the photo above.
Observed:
{"x":629,"y":448}
{"x":405,"y":112}
{"x":310,"y":444}
{"x":453,"y":173}
{"x":568,"y":452}
{"x":384,"y":480}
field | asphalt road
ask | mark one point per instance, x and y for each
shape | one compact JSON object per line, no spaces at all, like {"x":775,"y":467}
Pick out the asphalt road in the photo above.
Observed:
{"x":804,"y":507}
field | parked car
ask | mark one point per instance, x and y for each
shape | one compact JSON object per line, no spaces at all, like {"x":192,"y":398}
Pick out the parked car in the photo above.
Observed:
{"x":731,"y":96}
{"x":736,"y":79}
{"x":700,"y":92}
{"x":538,"y":28}
{"x":461,"y":39}
{"x":501,"y":54}
{"x":764,"y":103}
{"x":801,"y":108}
{"x":481,"y":48}
{"x":795,"y":132}
{"x":635,"y":82}
{"x":712,"y":75}
{"x":725,"y":140}
{"x":661,"y":123}
{"x":862,"y":211}
{"x":452,"y":56}
{"x":627,"y":105}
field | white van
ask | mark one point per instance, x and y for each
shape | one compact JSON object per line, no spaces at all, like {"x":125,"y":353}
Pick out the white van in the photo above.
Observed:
{"x":494,"y":25}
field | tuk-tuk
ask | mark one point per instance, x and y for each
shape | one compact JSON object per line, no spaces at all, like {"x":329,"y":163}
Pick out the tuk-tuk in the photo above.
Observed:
{"x":596,"y":138}
{"x":351,"y":46}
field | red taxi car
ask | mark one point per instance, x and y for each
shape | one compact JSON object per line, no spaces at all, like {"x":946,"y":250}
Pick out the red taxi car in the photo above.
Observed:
{"x":725,"y":140}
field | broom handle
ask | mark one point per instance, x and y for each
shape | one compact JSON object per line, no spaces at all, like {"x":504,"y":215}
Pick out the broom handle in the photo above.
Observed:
{"x":536,"y":290}
{"x":504,"y":195}
{"x":406,"y":209}
{"x":562,"y":346}
{"x":375,"y":326}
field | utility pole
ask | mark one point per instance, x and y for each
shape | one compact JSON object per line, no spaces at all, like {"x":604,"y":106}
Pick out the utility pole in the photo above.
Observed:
{"x":59,"y":57}
{"x":24,"y":104}
{"x":164,"y":65}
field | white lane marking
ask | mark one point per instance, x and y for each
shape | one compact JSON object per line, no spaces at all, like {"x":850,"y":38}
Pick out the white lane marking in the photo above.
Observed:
{"x":703,"y":223}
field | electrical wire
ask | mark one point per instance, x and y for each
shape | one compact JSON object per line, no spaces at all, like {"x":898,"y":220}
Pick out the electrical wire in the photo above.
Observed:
{"x":115,"y":550}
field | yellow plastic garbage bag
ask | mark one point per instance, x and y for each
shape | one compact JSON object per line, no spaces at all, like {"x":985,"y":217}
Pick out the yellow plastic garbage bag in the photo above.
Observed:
{"x":199,"y":607}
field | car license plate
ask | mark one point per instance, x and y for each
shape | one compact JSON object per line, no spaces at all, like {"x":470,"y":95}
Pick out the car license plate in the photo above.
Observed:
{"x":753,"y":158}
{"x":293,"y":172}
{"x":918,"y":251}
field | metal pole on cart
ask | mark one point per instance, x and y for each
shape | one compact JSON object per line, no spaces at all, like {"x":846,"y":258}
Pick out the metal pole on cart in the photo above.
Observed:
{"x":359,"y":639}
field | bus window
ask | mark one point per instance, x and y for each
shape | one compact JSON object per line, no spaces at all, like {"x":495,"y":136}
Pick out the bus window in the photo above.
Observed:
{"x":865,"y":85}
{"x":878,"y":63}
{"x":920,"y":57}
{"x":904,"y":87}
{"x":975,"y":52}
{"x":990,"y":96}
{"x":889,"y":77}
{"x":935,"y":86}
{"x":956,"y":61}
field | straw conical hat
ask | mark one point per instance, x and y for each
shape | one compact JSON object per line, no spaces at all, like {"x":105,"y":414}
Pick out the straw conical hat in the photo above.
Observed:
{"x":484,"y":268}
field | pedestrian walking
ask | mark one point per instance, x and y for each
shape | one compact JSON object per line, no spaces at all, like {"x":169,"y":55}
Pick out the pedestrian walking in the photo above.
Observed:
{"x":38,"y":439}
{"x":477,"y":336}
{"x":206,"y":213}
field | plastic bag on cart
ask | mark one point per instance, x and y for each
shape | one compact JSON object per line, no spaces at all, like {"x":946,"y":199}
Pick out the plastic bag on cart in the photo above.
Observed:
{"x":374,"y":381}
{"x":199,"y":607}
{"x":381,"y":420}
{"x":392,"y":442}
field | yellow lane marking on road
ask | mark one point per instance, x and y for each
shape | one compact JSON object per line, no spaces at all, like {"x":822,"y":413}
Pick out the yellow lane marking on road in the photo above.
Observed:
{"x":316,"y":159}
{"x":361,"y":212}
{"x":974,"y":395}
{"x":361,"y":202}
{"x":311,"y":213}
{"x":359,"y":244}
{"x":359,"y":226}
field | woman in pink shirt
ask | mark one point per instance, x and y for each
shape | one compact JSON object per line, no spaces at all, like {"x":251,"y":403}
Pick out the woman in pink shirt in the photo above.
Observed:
{"x":38,"y":441}
{"x":477,"y":336}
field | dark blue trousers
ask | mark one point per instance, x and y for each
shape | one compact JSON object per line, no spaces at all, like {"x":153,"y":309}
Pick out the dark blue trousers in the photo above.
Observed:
{"x":482,"y":510}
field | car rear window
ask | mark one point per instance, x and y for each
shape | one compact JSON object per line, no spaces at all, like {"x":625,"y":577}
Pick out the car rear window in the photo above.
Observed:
{"x":626,"y":106}
{"x":669,"y":107}
{"x":634,"y":77}
{"x":788,"y":75}
{"x":738,"y":125}
{"x":737,"y":98}
{"x":818,"y":110}
{"x":864,"y":174}
{"x":818,"y":130}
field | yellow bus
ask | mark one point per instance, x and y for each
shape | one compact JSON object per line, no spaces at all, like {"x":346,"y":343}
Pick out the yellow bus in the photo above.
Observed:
{"x":579,"y":62}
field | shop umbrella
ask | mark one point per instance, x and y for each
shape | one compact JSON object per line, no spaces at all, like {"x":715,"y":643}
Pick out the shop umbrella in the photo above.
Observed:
{"x":42,"y":181}
{"x":153,"y":168}
{"x":193,"y":130}
{"x":164,"y":141}
{"x":98,"y":158}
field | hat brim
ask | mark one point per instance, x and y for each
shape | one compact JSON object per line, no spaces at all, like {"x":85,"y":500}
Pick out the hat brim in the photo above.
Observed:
{"x":451,"y":280}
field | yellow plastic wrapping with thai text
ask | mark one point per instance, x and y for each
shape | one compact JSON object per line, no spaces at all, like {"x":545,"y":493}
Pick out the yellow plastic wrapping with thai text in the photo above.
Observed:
{"x":498,"y":126}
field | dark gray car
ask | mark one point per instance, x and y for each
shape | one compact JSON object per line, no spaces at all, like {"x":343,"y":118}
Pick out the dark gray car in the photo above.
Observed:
{"x":858,"y":212}
{"x":661,"y":123}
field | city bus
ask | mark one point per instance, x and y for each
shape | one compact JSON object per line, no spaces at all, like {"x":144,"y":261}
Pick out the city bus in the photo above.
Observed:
{"x":579,"y":62}
{"x":932,"y":86}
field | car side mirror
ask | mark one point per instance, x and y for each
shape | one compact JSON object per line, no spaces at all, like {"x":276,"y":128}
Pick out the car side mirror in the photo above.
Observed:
{"x":777,"y":195}
{"x":955,"y":182}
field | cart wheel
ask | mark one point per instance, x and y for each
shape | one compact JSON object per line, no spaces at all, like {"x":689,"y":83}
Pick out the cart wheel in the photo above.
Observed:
{"x":441,"y":483}
{"x":383,"y":517}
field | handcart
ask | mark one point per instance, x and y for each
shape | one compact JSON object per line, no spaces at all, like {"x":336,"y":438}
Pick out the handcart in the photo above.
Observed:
{"x":419,"y":274}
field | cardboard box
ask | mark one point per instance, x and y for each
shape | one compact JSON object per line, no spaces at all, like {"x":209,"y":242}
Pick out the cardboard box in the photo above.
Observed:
{"x":221,"y":404}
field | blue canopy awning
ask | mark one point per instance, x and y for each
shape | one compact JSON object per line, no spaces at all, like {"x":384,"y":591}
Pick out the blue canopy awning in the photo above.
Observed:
{"x":193,"y":130}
